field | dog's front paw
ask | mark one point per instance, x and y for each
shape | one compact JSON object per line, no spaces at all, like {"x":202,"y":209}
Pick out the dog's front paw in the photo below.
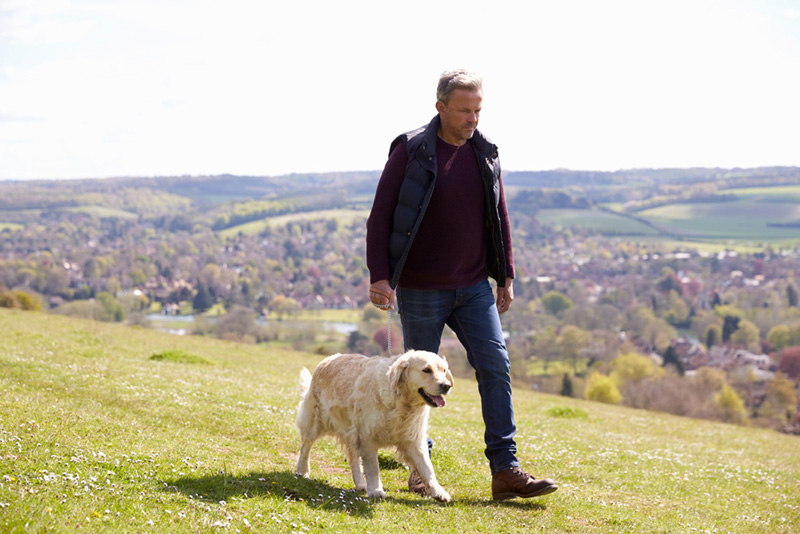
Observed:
{"x":376,"y":494}
{"x":440,"y":494}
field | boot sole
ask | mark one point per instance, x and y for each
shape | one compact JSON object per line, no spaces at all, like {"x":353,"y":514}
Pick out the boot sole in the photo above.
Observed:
{"x":511,"y":495}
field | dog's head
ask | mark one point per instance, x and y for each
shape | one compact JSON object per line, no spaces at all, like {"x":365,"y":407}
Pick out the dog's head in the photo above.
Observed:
{"x":421,"y":375}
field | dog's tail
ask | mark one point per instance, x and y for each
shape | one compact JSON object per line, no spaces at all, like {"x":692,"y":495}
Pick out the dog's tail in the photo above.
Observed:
{"x":305,"y":382}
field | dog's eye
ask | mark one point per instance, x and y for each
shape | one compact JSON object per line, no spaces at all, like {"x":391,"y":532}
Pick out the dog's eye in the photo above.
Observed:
{"x":427,"y":370}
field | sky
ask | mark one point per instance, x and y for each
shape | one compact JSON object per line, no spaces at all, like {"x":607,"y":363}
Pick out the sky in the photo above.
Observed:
{"x":101,"y":88}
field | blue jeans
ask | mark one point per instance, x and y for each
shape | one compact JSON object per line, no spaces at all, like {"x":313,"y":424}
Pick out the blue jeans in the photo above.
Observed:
{"x":471,"y":313}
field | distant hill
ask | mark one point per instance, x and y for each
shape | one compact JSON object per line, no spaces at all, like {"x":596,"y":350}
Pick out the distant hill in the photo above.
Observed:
{"x":561,"y":178}
{"x":667,"y":202}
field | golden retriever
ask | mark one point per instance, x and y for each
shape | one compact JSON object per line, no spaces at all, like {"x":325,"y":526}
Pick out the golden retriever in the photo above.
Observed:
{"x":372,"y":403}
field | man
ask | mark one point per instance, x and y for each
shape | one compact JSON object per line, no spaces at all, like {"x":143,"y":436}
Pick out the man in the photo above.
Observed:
{"x":437,"y":230}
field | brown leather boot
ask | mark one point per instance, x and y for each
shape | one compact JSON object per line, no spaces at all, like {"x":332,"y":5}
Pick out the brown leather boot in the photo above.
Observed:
{"x":415,"y":484}
{"x":515,"y":482}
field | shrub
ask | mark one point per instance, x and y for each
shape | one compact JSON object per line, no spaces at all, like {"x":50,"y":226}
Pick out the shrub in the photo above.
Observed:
{"x":19,"y":299}
{"x":28,"y":301}
{"x":238,"y":323}
{"x":567,"y":412}
{"x":178,"y":356}
{"x":601,"y":388}
{"x":779,"y":336}
{"x":556,"y":303}
{"x":731,"y":405}
{"x":111,"y":305}
{"x":85,"y":309}
{"x":566,"y":386}
{"x":746,"y":334}
{"x":781,"y":399}
{"x":635,"y":367}
{"x":790,"y":362}
{"x":8,"y":300}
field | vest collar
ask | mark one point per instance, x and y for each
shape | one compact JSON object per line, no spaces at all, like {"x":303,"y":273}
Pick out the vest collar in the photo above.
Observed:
{"x":482,"y":144}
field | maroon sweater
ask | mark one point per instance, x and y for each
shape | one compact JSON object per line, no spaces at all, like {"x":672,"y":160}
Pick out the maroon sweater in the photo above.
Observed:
{"x":449,"y":250}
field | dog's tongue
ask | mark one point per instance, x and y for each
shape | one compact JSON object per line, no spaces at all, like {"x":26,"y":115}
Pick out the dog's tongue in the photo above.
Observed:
{"x":439,"y":400}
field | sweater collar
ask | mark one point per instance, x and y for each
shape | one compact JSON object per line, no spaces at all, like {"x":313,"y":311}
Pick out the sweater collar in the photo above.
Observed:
{"x":481,"y":143}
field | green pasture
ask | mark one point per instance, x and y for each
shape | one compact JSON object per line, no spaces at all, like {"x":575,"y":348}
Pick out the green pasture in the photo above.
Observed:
{"x":600,"y":221}
{"x":342,"y":216}
{"x":740,"y":220}
{"x":743,"y":222}
{"x":711,"y":246}
{"x":107,"y":428}
{"x":12,"y":227}
{"x":788,"y":193}
{"x":102,"y":212}
{"x":330,"y":315}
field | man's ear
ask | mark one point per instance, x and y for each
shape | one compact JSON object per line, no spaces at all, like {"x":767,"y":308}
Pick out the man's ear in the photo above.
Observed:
{"x":440,"y":106}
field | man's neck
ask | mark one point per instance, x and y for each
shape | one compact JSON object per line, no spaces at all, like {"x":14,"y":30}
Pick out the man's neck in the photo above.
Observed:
{"x":453,"y":142}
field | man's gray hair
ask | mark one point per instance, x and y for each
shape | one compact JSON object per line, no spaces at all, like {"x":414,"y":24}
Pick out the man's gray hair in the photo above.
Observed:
{"x":457,"y":79}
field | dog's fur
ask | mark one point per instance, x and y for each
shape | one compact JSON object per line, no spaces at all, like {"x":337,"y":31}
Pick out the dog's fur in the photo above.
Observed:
{"x":372,"y":403}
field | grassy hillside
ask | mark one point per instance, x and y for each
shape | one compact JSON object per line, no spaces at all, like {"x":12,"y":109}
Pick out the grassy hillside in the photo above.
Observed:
{"x":724,"y":220}
{"x":767,"y":214}
{"x":105,"y":428}
{"x":604,"y":222}
{"x":342,"y":216}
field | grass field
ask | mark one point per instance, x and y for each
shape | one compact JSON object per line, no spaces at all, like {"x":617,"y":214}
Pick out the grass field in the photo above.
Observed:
{"x":742,"y":220}
{"x":103,"y":212}
{"x":11,"y":226}
{"x":600,"y":221}
{"x":106,"y":428}
{"x":788,"y":193}
{"x":330,"y":316}
{"x":343,"y":216}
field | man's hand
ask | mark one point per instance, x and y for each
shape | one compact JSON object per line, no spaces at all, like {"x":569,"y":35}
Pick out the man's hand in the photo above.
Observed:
{"x":505,"y":295}
{"x":381,"y":294}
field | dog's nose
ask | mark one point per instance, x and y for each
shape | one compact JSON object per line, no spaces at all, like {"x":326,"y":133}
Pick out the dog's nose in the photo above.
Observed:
{"x":445,"y":387}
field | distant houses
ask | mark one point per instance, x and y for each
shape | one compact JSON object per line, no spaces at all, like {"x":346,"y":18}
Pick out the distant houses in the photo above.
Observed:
{"x":725,"y":357}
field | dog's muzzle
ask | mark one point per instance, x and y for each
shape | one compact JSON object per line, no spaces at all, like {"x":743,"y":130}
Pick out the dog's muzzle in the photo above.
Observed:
{"x":435,"y":401}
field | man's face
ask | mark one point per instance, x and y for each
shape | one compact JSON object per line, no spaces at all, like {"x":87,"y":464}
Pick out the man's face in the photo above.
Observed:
{"x":459,"y":117}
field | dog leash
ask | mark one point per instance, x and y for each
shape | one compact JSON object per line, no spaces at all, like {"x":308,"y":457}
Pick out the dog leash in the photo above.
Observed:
{"x":389,"y":333}
{"x":389,"y":319}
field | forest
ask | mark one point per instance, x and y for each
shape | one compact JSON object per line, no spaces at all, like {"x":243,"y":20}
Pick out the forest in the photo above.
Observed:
{"x":670,"y":289}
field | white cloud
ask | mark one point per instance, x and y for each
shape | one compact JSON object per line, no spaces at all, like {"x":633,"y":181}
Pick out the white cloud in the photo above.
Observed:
{"x":174,"y":87}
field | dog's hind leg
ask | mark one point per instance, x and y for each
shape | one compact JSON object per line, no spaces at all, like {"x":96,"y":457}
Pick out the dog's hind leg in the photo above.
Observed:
{"x":307,"y":425}
{"x":304,"y":458}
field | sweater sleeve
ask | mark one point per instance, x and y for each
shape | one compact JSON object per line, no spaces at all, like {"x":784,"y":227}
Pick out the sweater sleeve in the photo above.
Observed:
{"x":505,"y":227}
{"x":379,"y":223}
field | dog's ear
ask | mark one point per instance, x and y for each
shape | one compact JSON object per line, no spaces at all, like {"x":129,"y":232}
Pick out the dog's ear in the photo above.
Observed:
{"x":449,"y":377}
{"x":397,"y":372}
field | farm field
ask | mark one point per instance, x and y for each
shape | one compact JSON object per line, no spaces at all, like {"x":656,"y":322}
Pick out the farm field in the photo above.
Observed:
{"x":604,"y":222}
{"x":11,"y":226}
{"x":107,"y":428}
{"x":741,"y":222}
{"x":745,"y":219}
{"x":789,"y":193}
{"x":102,"y":212}
{"x":343,"y":216}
